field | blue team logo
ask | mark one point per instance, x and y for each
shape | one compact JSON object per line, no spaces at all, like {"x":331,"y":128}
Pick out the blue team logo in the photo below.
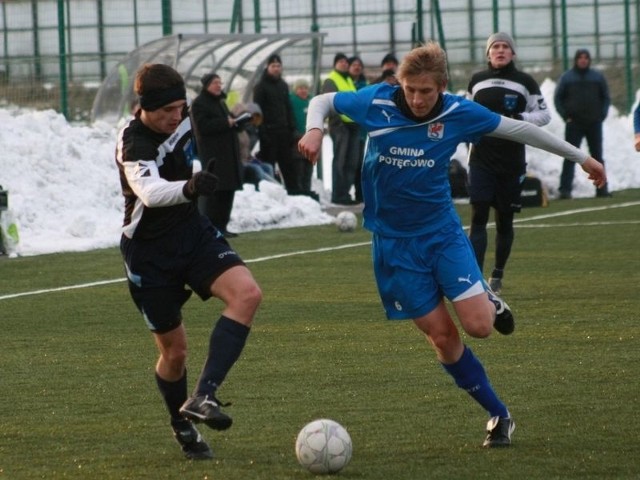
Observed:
{"x":510,"y":102}
{"x":435,"y":131}
{"x":189,"y":152}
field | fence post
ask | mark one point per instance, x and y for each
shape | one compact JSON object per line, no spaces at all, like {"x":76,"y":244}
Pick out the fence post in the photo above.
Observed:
{"x":257,"y":21}
{"x":62,"y":61}
{"x":627,"y":49}
{"x":565,"y":34}
{"x":496,"y":18}
{"x":167,"y":21}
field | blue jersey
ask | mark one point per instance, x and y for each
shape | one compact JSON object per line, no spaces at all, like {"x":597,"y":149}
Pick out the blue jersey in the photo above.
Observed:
{"x":405,"y":176}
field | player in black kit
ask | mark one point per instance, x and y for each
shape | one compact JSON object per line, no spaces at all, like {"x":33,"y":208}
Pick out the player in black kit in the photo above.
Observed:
{"x":167,"y":245}
{"x":497,"y":167}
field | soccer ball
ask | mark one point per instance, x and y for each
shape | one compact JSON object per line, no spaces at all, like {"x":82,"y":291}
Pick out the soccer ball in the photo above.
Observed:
{"x":323,"y":446}
{"x":346,"y":221}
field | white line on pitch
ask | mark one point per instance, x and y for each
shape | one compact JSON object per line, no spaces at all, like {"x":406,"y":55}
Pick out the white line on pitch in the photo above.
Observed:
{"x":352,"y":245}
{"x":117,"y":280}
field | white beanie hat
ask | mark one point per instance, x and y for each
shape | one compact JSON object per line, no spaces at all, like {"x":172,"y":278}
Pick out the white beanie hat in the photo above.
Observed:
{"x":500,"y":37}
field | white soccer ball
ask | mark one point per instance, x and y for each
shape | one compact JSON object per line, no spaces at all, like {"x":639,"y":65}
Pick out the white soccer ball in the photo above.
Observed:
{"x":323,"y":446}
{"x":346,"y":221}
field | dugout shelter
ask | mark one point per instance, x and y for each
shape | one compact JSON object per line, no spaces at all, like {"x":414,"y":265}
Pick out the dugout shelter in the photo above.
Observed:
{"x":239,"y":59}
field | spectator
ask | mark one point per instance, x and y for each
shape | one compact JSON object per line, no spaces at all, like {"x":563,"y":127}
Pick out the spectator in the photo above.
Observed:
{"x":278,"y":126}
{"x":582,"y":100}
{"x":300,"y":103}
{"x":421,"y":254}
{"x":218,"y":148}
{"x":497,"y":167}
{"x":345,"y":135}
{"x":167,"y":245}
{"x":388,"y":68}
{"x":389,"y":76}
{"x":356,"y":70}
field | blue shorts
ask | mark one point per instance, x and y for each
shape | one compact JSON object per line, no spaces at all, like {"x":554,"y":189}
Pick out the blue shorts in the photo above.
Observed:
{"x":158,"y":270}
{"x":414,"y":274}
{"x":502,"y":192}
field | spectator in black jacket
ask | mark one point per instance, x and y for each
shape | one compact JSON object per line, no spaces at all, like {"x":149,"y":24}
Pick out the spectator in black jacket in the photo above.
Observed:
{"x":582,"y":100}
{"x":277,"y":132}
{"x":388,"y":67}
{"x":218,"y":149}
{"x":497,"y":166}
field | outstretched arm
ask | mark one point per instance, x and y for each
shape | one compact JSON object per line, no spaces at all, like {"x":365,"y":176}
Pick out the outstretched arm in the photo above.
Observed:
{"x":311,"y":143}
{"x":529,"y":134}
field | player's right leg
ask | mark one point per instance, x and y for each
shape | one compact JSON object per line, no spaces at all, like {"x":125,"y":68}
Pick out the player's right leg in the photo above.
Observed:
{"x":171,"y":378}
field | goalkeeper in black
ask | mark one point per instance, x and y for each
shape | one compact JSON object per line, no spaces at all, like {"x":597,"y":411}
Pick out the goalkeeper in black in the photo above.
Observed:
{"x":497,"y":167}
{"x":168,"y":246}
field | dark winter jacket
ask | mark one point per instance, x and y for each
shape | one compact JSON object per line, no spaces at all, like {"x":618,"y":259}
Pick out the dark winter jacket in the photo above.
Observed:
{"x":217,"y":142}
{"x":272,"y":94}
{"x":582,"y":95}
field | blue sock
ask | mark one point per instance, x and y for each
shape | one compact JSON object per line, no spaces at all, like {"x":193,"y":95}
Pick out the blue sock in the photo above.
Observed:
{"x":225,"y":346}
{"x":469,"y":375}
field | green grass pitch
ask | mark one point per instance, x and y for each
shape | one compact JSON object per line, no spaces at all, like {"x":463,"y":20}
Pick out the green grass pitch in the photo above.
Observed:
{"x":78,"y":398}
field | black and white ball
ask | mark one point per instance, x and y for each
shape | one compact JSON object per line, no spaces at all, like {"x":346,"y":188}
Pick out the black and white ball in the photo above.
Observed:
{"x":323,"y":446}
{"x":346,"y":221}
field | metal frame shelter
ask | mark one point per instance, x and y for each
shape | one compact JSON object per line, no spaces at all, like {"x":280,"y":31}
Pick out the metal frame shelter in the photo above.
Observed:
{"x":239,"y":59}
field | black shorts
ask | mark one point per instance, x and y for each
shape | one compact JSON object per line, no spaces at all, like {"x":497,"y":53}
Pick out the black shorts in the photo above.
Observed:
{"x":502,"y":192}
{"x":158,"y":270}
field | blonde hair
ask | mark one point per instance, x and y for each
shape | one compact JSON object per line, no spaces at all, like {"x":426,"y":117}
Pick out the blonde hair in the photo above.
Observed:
{"x":429,"y":59}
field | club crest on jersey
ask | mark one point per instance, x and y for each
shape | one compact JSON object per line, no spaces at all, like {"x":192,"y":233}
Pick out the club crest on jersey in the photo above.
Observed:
{"x":435,"y":131}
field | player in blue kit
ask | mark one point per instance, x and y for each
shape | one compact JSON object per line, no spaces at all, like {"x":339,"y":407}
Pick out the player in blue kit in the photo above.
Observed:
{"x":420,"y":252}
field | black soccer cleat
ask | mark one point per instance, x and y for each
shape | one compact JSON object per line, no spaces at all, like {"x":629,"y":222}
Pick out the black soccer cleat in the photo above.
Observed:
{"x":499,"y":432}
{"x":504,"y":322}
{"x":192,"y":444}
{"x":206,"y":409}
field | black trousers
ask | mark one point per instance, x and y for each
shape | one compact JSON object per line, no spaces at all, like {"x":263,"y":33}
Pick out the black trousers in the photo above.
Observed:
{"x":574,"y":134}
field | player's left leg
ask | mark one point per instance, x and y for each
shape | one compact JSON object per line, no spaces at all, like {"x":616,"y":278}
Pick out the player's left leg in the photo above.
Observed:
{"x":237,"y":288}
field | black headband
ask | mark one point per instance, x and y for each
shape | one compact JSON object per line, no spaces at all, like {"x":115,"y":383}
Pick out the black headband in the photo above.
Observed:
{"x":155,"y":99}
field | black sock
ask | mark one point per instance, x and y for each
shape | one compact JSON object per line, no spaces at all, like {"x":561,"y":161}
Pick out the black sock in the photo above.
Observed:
{"x":504,"y":242}
{"x":478,"y":239}
{"x":225,"y":346}
{"x":174,"y":394}
{"x":497,"y":273}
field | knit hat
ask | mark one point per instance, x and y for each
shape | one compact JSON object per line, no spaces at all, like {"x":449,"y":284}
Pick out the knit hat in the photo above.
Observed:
{"x":339,"y":56}
{"x":355,"y":58}
{"x":500,"y":37}
{"x":274,"y":58}
{"x":207,"y":78}
{"x":389,"y":58}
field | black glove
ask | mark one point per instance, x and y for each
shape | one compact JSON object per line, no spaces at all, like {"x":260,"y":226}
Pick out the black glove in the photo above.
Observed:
{"x":202,"y":183}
